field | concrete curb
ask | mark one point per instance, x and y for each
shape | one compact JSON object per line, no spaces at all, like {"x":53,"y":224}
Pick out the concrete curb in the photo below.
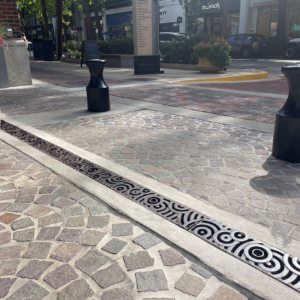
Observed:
{"x":231,"y":268}
{"x":248,"y":76}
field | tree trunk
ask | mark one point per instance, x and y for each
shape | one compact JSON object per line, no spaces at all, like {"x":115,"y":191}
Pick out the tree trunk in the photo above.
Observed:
{"x":281,"y":25}
{"x":45,"y":17}
{"x":89,"y":29}
{"x":97,"y":18}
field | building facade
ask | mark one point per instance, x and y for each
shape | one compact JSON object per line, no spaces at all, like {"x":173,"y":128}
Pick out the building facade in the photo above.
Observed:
{"x":261,"y":17}
{"x":9,"y":16}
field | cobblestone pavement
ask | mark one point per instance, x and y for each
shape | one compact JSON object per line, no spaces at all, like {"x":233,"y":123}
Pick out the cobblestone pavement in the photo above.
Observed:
{"x":257,"y":108}
{"x":227,"y":166}
{"x":57,"y":242}
{"x":275,"y":86}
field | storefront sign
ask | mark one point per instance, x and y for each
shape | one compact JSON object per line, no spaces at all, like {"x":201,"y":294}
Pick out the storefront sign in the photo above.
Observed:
{"x":170,"y":12}
{"x":211,"y":6}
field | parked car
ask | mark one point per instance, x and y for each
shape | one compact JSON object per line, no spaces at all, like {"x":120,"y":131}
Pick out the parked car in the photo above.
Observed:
{"x":166,"y":37}
{"x":292,"y":48}
{"x":248,"y":45}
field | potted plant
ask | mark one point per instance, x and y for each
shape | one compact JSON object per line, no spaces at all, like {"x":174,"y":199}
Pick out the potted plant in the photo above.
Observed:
{"x":213,"y":56}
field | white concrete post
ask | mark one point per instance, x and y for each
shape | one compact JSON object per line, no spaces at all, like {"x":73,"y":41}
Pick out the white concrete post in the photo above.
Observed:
{"x":244,"y":13}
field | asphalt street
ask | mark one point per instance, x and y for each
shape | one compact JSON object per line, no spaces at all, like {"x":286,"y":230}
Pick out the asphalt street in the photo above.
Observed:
{"x":270,"y":65}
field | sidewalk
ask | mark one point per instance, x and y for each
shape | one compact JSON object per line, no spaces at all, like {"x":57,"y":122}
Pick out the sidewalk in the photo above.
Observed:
{"x":213,"y":165}
{"x":58,"y":242}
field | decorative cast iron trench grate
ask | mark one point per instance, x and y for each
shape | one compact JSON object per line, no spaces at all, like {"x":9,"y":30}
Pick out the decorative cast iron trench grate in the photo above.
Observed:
{"x":270,"y":260}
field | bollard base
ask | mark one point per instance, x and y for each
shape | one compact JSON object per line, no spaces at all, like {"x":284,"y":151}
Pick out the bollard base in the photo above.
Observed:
{"x":98,"y":99}
{"x":286,"y":140}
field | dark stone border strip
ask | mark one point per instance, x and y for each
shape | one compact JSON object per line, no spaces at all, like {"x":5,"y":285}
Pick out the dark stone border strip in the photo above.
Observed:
{"x":270,"y":260}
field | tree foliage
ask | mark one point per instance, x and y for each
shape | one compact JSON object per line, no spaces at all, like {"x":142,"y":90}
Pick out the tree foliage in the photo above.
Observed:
{"x":35,"y":6}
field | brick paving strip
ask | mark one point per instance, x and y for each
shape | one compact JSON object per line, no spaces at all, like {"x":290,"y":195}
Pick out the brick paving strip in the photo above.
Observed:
{"x":112,"y":259}
{"x":272,"y":261}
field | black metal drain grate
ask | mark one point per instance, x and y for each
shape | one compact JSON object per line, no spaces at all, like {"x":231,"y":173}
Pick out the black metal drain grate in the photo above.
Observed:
{"x":270,"y":260}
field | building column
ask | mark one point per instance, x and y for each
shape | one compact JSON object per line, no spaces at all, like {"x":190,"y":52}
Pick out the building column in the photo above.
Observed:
{"x":104,"y":24}
{"x":244,"y":13}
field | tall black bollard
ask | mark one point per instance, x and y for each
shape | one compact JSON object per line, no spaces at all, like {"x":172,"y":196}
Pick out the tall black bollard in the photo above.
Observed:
{"x":286,"y":140}
{"x":97,"y":90}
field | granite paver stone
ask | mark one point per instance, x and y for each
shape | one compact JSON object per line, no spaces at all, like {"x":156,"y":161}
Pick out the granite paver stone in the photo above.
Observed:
{"x":114,"y":246}
{"x":75,"y":221}
{"x":22,"y":223}
{"x":5,"y":285}
{"x":91,"y":262}
{"x":4,"y":206}
{"x":65,"y":252}
{"x":73,"y":211}
{"x":48,"y":233}
{"x":171,"y":257}
{"x":50,"y":219}
{"x":97,"y":210}
{"x":122,"y":229}
{"x":61,"y":276}
{"x":109,"y":276}
{"x":38,"y":211}
{"x":78,"y":289}
{"x":5,"y":237}
{"x":146,"y":240}
{"x":91,"y":237}
{"x":190,"y":284}
{"x":98,"y":221}
{"x":69,"y":235}
{"x":138,"y":260}
{"x":10,"y":252}
{"x":34,"y":269}
{"x":25,"y":199}
{"x":9,"y":267}
{"x":62,"y":202}
{"x":37,"y":250}
{"x":29,"y":291}
{"x":151,"y":281}
{"x":45,"y":199}
{"x":26,"y":235}
{"x":118,"y":294}
{"x":225,"y":293}
{"x":8,"y":218}
{"x":18,"y":207}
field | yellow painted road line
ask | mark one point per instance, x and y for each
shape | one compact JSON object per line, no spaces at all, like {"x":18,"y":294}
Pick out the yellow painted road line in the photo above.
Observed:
{"x":240,"y":77}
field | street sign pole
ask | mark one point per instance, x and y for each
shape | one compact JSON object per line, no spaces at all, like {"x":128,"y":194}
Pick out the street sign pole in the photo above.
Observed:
{"x":58,"y":6}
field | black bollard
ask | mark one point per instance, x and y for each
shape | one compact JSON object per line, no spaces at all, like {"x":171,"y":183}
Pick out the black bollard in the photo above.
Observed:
{"x":97,"y":90}
{"x":286,"y":140}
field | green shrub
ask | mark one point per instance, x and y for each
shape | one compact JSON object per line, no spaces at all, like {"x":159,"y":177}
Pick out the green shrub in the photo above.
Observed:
{"x":73,"y":45}
{"x":181,"y":51}
{"x":75,"y":54}
{"x":215,"y":50}
{"x":117,"y":46}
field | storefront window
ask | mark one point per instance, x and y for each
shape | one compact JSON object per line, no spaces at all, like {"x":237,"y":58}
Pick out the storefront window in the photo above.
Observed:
{"x":233,"y":24}
{"x":208,"y":25}
{"x":293,"y":24}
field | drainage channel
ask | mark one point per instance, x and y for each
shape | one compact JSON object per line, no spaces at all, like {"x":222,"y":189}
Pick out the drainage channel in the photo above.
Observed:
{"x":265,"y":258}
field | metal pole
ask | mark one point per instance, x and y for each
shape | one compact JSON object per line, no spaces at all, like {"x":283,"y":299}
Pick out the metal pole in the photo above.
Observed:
{"x":58,"y":5}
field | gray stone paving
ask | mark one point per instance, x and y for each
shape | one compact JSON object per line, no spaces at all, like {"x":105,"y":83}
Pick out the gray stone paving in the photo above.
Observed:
{"x":42,"y":258}
{"x":227,"y":166}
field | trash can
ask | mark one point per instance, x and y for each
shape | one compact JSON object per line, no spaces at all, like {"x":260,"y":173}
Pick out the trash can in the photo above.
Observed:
{"x":43,"y":49}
